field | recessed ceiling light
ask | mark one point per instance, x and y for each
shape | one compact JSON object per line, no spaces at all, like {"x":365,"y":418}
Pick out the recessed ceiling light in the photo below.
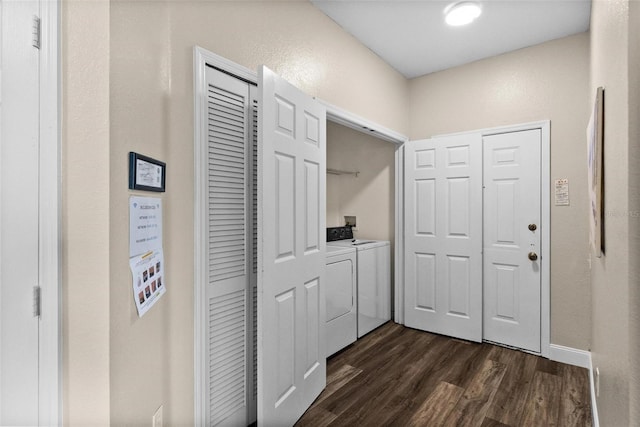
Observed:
{"x":462,"y":13}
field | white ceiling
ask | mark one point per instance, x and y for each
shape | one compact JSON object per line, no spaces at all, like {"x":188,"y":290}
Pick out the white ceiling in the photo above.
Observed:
{"x":412,"y":37}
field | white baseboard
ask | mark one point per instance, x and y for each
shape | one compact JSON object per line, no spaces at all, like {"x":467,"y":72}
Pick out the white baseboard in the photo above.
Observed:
{"x":581,"y":358}
{"x":570,"y":356}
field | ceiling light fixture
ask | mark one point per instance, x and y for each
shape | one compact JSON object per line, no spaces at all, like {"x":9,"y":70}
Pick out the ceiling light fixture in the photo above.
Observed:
{"x":462,"y":13}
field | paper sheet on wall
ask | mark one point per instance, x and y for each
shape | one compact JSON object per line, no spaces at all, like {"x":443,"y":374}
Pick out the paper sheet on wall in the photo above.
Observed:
{"x":145,"y":225}
{"x":562,"y":192}
{"x":148,"y":279}
{"x":145,"y":251}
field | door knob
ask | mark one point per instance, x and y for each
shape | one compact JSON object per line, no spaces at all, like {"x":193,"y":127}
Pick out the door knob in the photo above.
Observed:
{"x":533,"y":227}
{"x":533,"y":256}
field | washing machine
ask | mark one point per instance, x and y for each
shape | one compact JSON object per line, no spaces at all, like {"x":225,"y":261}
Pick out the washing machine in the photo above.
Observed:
{"x":373,"y":277}
{"x":342,"y":314}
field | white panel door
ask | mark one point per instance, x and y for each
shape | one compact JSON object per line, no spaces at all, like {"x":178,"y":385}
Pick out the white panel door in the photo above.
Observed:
{"x":512,"y":232}
{"x":443,"y":235}
{"x":19,"y":175}
{"x":291,"y":255}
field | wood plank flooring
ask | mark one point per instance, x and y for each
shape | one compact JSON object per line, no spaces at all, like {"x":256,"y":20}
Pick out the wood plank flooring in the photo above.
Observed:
{"x":397,"y":376}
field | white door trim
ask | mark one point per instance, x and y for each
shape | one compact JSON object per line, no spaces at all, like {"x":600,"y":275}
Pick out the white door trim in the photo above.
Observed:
{"x":50,"y":359}
{"x":398,"y":288}
{"x":545,"y":177}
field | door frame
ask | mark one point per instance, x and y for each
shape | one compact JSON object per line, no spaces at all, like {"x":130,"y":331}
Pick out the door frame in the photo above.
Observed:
{"x":201,"y":58}
{"x":545,"y":244}
{"x":50,"y":359}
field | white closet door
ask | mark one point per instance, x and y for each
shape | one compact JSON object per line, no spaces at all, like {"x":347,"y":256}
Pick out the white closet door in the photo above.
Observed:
{"x":19,"y":214}
{"x":229,"y":249}
{"x":511,"y":208}
{"x":443,"y":235}
{"x":291,"y":256}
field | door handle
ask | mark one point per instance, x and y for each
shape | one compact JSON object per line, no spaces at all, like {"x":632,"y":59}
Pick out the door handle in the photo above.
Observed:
{"x":533,"y":256}
{"x":533,"y":227}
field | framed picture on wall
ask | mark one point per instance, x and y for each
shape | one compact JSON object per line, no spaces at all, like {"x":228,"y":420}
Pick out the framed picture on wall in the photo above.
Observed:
{"x":595,"y":144}
{"x":146,"y":174}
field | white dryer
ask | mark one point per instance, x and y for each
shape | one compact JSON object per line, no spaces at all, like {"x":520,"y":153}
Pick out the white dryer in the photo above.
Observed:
{"x":341,"y":298}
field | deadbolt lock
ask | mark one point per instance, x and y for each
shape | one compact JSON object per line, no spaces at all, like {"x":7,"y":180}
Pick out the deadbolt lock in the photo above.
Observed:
{"x":533,"y":256}
{"x":533,"y":227}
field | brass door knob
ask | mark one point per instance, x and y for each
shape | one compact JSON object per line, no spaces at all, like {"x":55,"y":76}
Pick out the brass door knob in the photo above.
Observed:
{"x":533,"y":256}
{"x":533,"y":227}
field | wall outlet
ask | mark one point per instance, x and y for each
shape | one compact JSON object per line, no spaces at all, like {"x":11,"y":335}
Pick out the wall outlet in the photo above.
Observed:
{"x":156,"y":421}
{"x":596,"y":381}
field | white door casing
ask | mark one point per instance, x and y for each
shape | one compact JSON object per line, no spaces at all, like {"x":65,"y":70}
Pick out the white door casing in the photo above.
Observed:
{"x":443,"y":235}
{"x":291,"y":250}
{"x":512,"y":201}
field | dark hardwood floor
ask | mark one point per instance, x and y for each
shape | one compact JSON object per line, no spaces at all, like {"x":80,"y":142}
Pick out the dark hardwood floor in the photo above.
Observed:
{"x":397,"y":376}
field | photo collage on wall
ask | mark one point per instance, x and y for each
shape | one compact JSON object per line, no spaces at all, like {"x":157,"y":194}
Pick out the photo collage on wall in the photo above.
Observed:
{"x":148,"y":273}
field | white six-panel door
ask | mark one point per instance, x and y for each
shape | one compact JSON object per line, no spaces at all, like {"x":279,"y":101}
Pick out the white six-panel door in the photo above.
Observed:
{"x":291,"y":251}
{"x":443,"y":235}
{"x":512,"y":228}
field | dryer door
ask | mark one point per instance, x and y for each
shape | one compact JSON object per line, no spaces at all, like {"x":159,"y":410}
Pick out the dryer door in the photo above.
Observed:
{"x":340,"y":289}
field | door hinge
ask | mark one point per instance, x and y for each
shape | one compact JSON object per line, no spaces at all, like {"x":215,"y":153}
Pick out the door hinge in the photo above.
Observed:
{"x":35,"y":32}
{"x":36,"y":301}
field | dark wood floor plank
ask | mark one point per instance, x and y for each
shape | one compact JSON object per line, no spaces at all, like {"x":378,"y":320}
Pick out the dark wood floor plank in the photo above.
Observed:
{"x":543,"y":402}
{"x":420,"y":379}
{"x":548,"y":366}
{"x":381,"y":387}
{"x":508,"y":403}
{"x":336,"y":380}
{"x":489,"y":422}
{"x":316,"y":417}
{"x":575,"y":407}
{"x":474,"y":404}
{"x":397,"y":376}
{"x":435,"y":410}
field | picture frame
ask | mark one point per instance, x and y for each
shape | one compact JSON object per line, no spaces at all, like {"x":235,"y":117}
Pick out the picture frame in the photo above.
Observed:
{"x":595,"y":175}
{"x":146,"y":173}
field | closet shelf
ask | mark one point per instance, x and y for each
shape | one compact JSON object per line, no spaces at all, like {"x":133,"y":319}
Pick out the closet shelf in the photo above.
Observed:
{"x":340,"y":172}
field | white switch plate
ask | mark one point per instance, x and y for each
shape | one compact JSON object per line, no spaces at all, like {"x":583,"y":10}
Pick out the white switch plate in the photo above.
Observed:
{"x":156,"y":421}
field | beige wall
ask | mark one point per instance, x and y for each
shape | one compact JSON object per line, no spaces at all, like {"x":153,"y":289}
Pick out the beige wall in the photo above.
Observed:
{"x":634,"y":206}
{"x":85,"y":213}
{"x":128,"y":86}
{"x":615,"y":326}
{"x":547,"y":81}
{"x":370,"y":196}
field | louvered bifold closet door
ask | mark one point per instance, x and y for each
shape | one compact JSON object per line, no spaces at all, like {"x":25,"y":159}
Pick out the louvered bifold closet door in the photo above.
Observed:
{"x":229,"y":249}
